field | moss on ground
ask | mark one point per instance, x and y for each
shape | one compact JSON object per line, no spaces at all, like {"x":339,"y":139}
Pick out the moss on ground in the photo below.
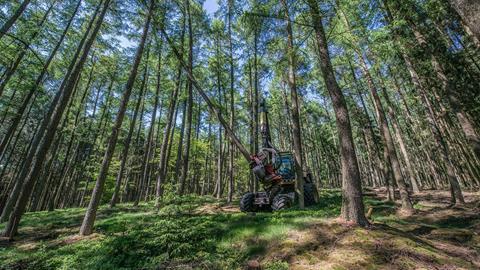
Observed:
{"x":203,"y":233}
{"x":129,"y":237}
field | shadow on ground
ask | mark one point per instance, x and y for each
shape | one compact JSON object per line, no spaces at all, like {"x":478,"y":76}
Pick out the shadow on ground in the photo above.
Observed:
{"x":201,"y":233}
{"x":437,"y":237}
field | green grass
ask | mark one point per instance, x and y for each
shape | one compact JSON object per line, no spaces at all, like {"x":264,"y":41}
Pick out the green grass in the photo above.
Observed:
{"x":128,"y":237}
{"x":180,"y":236}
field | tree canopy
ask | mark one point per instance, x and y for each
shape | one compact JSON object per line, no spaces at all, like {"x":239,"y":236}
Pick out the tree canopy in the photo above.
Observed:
{"x":139,"y":101}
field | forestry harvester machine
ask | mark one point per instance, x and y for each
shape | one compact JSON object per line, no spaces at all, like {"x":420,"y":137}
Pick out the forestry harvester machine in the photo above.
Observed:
{"x":276,"y":172}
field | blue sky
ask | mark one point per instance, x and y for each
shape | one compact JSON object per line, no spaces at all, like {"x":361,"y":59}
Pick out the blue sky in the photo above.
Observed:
{"x":210,"y":6}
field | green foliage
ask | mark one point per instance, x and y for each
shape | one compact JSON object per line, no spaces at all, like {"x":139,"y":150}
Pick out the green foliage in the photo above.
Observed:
{"x":177,"y":235}
{"x":277,"y":265}
{"x":140,"y":237}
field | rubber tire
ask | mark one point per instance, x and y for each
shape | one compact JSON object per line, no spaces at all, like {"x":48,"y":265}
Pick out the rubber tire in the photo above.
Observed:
{"x":247,"y":202}
{"x":308,"y":194}
{"x":281,"y":202}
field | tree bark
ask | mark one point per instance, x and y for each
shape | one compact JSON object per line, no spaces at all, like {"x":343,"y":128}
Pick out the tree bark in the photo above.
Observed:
{"x":295,"y":109}
{"x":48,"y":128}
{"x":469,"y":11}
{"x":352,"y":201}
{"x":463,"y":118}
{"x":9,"y":23}
{"x":163,"y":148}
{"x":128,"y":140}
{"x":212,"y":108}
{"x":26,"y":100}
{"x":412,"y":177}
{"x":149,"y":151}
{"x":219,"y":161}
{"x":90,"y":215}
{"x":437,"y":134}
{"x":407,"y":207}
{"x":189,"y":111}
{"x":232,"y":102}
{"x":23,"y":52}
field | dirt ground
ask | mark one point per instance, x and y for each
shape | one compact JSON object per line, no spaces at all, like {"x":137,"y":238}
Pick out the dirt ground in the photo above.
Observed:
{"x":437,"y":236}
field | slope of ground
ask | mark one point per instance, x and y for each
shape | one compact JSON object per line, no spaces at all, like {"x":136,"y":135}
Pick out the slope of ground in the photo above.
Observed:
{"x":436,"y":237}
{"x":201,"y":233}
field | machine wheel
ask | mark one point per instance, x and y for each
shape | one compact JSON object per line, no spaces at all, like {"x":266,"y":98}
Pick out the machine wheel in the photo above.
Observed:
{"x":308,"y":194}
{"x":246,"y":203}
{"x":281,"y":202}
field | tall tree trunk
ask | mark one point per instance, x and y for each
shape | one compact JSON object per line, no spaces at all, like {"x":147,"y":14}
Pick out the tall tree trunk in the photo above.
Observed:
{"x":178,"y":161}
{"x":469,"y":11}
{"x":412,"y":177}
{"x":232,"y":102}
{"x":212,"y":108}
{"x":171,"y":117}
{"x":219,"y":168}
{"x":48,"y":128}
{"x":295,"y":109}
{"x":128,"y":140}
{"x":189,"y":111}
{"x":463,"y":118}
{"x":218,"y":184}
{"x":26,"y":100}
{"x":149,"y":151}
{"x":9,"y":23}
{"x":389,"y":150}
{"x":407,"y":207}
{"x":144,"y":188}
{"x":255,"y":101}
{"x":352,"y":201}
{"x":23,"y":52}
{"x":90,"y":215}
{"x":251,"y":95}
{"x":431,"y":117}
{"x":194,"y":183}
{"x":172,"y":136}
{"x":162,"y":164}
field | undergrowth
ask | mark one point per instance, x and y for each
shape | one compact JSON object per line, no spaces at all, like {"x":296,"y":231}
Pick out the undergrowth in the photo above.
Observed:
{"x":183,"y":235}
{"x":129,"y":237}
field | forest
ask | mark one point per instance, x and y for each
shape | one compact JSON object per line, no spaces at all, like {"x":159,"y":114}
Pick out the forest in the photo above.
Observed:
{"x":141,"y":134}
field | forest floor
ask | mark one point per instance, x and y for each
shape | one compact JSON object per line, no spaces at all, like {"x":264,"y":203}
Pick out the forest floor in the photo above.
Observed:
{"x":201,"y":233}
